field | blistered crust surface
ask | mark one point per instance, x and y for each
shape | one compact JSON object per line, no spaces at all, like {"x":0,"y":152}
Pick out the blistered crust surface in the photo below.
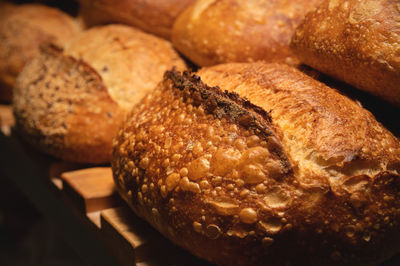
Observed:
{"x":356,"y":41}
{"x":213,"y":173}
{"x":62,"y":107}
{"x":220,"y":31}
{"x":130,"y":62}
{"x":323,"y":131}
{"x":153,"y":16}
{"x":23,"y":29}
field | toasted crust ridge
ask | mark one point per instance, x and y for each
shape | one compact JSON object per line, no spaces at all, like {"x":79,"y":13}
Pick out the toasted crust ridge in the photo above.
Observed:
{"x":228,"y":105}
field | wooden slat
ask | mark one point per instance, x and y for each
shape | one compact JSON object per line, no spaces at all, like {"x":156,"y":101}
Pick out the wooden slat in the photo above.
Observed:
{"x":6,"y":119}
{"x":91,"y":189}
{"x":134,"y":239}
{"x":94,"y":217}
{"x":57,"y":168}
{"x":128,"y":234}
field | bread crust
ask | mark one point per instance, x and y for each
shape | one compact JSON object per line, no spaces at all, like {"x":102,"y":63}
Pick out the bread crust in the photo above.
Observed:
{"x":69,"y":103}
{"x":218,"y":175}
{"x":355,"y":41}
{"x":23,"y":28}
{"x":220,"y":31}
{"x":130,"y":61}
{"x":153,"y":16}
{"x":62,"y":107}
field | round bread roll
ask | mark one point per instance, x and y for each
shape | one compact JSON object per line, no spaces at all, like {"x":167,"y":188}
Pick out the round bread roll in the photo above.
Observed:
{"x":23,"y":28}
{"x":153,"y":16}
{"x":70,"y":103}
{"x":356,"y":41}
{"x":220,"y":31}
{"x":261,"y":170}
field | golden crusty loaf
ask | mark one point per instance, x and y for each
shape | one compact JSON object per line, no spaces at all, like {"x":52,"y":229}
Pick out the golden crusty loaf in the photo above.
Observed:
{"x":23,"y":29}
{"x":153,"y":16}
{"x":69,"y":103}
{"x":219,"y":31}
{"x":356,"y":41}
{"x":305,"y":176}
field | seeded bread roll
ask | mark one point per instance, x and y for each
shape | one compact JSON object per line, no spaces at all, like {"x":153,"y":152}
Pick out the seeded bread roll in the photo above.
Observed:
{"x":356,"y":41}
{"x":153,"y":16}
{"x":70,"y":103}
{"x":23,"y":29}
{"x":262,"y":169}
{"x":219,"y":31}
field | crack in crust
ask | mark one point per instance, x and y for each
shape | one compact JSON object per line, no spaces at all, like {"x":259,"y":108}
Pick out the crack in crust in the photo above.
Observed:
{"x":229,"y":105}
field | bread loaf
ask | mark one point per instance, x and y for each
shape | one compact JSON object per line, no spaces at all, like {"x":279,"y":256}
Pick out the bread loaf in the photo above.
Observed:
{"x":356,"y":41}
{"x":220,"y":31}
{"x":269,"y":168}
{"x":69,"y":103}
{"x":23,"y":29}
{"x":153,"y":16}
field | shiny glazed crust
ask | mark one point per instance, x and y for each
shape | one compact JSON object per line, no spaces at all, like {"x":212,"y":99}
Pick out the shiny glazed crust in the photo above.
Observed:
{"x":356,"y":41}
{"x":153,"y":16}
{"x":219,"y":31}
{"x":70,"y":103}
{"x":288,"y":180}
{"x":22,"y":30}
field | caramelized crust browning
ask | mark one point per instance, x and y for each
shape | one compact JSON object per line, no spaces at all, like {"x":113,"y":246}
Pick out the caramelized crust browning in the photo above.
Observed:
{"x":217,"y":174}
{"x":220,"y":31}
{"x":356,"y":41}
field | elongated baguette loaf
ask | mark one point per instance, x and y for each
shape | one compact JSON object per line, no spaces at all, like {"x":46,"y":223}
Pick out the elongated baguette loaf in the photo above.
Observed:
{"x":211,"y":32}
{"x":356,"y":41}
{"x":269,"y":168}
{"x":69,"y":103}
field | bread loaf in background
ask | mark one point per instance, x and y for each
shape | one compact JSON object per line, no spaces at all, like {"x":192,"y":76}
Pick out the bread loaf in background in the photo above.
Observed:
{"x":355,"y":41}
{"x":69,"y":103}
{"x":269,"y":168}
{"x":219,"y":31}
{"x":153,"y":16}
{"x":23,"y":28}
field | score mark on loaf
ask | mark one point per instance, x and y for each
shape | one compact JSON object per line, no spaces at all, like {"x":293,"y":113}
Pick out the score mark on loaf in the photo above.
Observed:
{"x":291,"y":179}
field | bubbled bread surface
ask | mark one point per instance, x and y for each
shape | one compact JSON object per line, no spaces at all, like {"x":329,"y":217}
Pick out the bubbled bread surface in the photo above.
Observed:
{"x":219,"y":176}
